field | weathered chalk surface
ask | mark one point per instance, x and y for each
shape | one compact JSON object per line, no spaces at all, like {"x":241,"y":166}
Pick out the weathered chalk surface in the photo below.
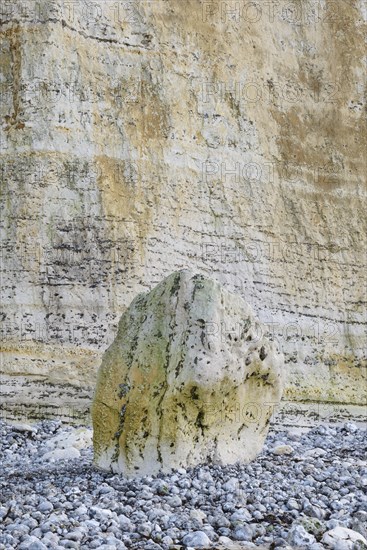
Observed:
{"x":161,"y":135}
{"x":189,"y":379}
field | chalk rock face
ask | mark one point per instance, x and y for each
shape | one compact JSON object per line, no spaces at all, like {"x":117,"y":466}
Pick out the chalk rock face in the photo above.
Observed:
{"x":141,"y":138}
{"x":189,"y":379}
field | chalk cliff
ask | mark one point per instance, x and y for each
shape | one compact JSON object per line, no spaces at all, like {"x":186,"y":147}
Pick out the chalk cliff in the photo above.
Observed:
{"x":140,"y":138}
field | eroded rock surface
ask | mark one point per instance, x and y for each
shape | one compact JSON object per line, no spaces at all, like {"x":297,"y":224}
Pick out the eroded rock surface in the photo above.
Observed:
{"x":187,"y":380}
{"x":140,"y":138}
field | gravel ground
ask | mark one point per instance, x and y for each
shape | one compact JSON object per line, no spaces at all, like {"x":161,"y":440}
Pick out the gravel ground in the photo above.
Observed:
{"x":305,"y":490}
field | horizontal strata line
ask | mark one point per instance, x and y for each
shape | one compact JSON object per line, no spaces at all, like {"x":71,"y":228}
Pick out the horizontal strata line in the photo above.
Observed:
{"x":82,"y":33}
{"x":320,"y":318}
{"x":39,"y":404}
{"x":318,"y":403}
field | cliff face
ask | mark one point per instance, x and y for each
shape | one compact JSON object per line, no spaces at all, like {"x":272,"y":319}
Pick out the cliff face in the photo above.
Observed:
{"x":145,"y":137}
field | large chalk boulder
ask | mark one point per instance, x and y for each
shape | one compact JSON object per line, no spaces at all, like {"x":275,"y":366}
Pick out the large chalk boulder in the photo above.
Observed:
{"x":189,"y":379}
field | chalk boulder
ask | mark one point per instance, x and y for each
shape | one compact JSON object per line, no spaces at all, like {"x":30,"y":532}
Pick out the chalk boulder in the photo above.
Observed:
{"x":189,"y":379}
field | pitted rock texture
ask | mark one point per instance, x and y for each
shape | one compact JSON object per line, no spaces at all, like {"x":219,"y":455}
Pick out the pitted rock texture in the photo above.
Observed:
{"x":185,"y":382}
{"x":140,"y":138}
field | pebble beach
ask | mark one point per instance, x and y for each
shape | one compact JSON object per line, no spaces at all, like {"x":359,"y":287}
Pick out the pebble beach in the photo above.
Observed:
{"x":307,"y":489}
